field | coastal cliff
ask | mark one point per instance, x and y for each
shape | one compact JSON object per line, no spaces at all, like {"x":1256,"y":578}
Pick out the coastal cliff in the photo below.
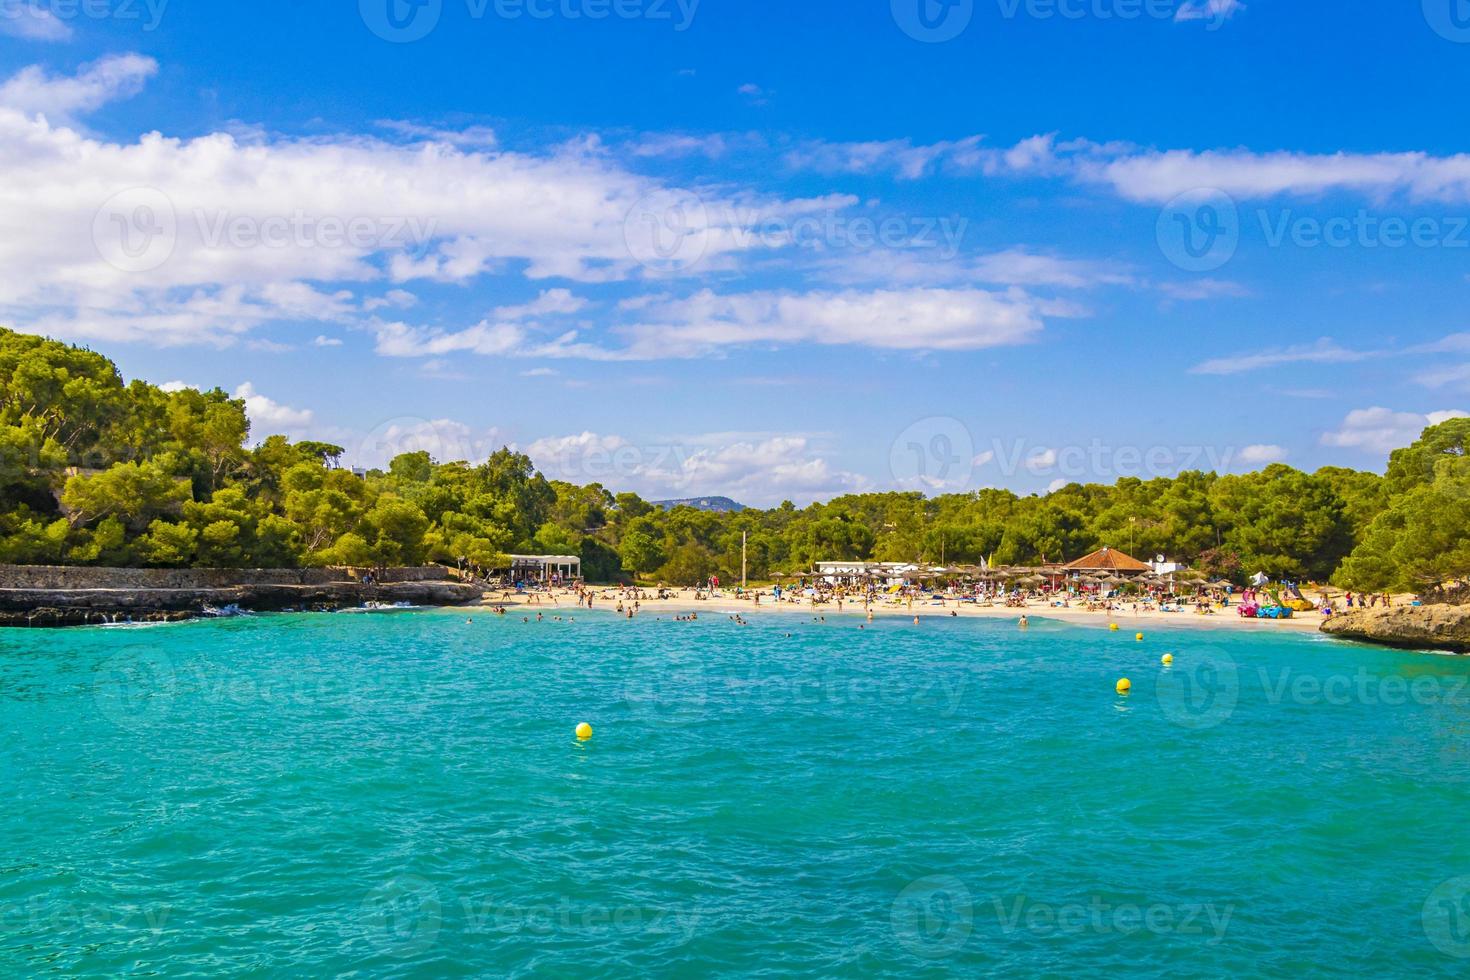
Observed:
{"x":45,"y":596}
{"x":1436,"y":627}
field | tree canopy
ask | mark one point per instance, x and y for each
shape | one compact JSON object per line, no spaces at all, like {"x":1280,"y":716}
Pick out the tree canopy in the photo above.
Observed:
{"x":96,"y":471}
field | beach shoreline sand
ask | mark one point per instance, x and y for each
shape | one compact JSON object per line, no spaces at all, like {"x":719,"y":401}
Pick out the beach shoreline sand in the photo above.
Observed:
{"x":564,"y":602}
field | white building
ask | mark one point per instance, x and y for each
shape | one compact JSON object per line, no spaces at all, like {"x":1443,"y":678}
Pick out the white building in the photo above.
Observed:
{"x":543,"y":568}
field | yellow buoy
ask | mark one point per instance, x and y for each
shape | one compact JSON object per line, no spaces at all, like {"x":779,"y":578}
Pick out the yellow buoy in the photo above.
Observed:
{"x":1124,"y":686}
{"x":584,"y":731}
{"x":1167,"y":659}
{"x":1113,"y":627}
{"x":1138,"y":636}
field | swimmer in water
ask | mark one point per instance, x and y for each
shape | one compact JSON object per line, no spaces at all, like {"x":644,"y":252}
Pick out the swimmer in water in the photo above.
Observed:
{"x":1024,"y":623}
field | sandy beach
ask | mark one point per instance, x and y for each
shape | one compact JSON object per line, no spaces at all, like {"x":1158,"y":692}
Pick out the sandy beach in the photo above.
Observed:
{"x":562,"y":601}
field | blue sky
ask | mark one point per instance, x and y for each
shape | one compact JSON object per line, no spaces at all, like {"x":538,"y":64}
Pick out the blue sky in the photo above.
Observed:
{"x":763,"y":249}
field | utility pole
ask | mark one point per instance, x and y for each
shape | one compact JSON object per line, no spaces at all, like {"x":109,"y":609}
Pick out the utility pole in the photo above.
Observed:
{"x":744,"y":537}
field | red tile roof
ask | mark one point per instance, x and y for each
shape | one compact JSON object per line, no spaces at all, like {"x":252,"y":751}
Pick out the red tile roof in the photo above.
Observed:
{"x":1107,"y":560}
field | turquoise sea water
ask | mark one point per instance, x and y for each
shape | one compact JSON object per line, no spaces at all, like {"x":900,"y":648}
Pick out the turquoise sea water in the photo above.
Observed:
{"x":401,"y":795}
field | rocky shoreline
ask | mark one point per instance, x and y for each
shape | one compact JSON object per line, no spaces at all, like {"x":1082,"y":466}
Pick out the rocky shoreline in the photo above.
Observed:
{"x":35,"y":597}
{"x":1433,"y":627}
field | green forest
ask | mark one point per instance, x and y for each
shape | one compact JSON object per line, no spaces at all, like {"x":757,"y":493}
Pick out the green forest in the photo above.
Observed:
{"x":96,"y":471}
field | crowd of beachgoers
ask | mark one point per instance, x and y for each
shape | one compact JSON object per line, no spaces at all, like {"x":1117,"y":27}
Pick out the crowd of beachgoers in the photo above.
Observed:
{"x":1199,"y":604}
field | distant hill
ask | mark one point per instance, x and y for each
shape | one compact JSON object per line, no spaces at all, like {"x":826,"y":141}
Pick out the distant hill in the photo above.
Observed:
{"x":719,"y":505}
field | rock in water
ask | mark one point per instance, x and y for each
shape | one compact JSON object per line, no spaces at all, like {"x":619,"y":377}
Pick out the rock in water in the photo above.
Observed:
{"x":1433,"y":627}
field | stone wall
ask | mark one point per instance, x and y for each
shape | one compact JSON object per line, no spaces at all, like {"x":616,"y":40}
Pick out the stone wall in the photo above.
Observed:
{"x":75,"y":577}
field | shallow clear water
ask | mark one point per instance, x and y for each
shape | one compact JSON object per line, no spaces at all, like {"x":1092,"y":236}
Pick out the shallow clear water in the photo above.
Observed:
{"x":400,"y":794}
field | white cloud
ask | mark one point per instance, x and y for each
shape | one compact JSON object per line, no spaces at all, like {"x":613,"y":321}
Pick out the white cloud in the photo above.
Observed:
{"x":754,"y":93}
{"x":398,"y":298}
{"x":1202,"y":289}
{"x":901,"y":319}
{"x":1153,"y":176}
{"x":1381,"y":430}
{"x":1454,"y":375}
{"x":269,"y":417}
{"x":163,"y":239}
{"x":446,"y":440}
{"x":1325,"y":351}
{"x":173,"y":386}
{"x":1261,"y":454}
{"x":756,"y":468}
{"x":706,"y":322}
{"x":1455,"y":343}
{"x":478,"y":137}
{"x":900,"y":157}
{"x":325,"y":341}
{"x":30,"y":21}
{"x":490,"y":339}
{"x":1040,"y":460}
{"x":551,"y":302}
{"x":943,"y":266}
{"x":1018,"y":267}
{"x":677,"y":145}
{"x":63,"y":98}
